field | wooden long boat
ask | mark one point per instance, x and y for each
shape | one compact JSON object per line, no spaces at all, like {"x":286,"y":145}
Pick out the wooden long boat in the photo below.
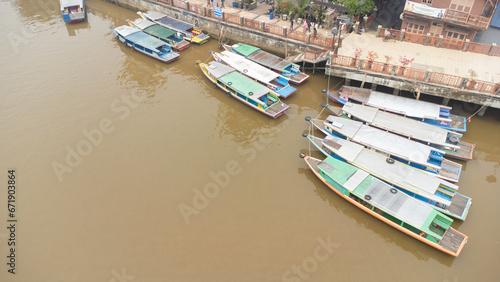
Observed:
{"x":244,"y":89}
{"x":445,"y":140}
{"x":170,"y":36}
{"x":413,"y":153}
{"x":388,"y":204}
{"x":145,"y":43}
{"x":73,"y":10}
{"x":434,"y":192}
{"x":427,"y":112}
{"x":190,"y":32}
{"x":275,"y":63}
{"x":257,"y":72}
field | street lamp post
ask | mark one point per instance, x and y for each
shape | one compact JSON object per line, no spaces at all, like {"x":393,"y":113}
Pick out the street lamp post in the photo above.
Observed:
{"x":311,"y":5}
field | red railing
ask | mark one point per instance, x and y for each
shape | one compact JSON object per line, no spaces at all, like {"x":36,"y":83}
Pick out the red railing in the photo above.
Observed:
{"x":454,"y":44}
{"x":196,"y":9}
{"x":466,"y":18}
{"x":252,"y":24}
{"x":297,"y":35}
{"x":232,"y":18}
{"x":446,"y":79}
{"x":418,"y":74}
{"x":179,"y":4}
{"x":322,"y":41}
{"x":165,"y":1}
{"x":478,"y":48}
{"x":274,"y":29}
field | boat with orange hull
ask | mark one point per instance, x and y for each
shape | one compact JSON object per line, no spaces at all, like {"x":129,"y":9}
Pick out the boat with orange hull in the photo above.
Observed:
{"x":389,"y":205}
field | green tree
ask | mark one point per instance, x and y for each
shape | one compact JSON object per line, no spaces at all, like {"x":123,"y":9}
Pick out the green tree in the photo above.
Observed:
{"x":302,"y":8}
{"x":355,"y":8}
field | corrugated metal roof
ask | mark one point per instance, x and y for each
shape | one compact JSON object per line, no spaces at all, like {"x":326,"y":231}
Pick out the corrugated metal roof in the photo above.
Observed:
{"x":175,"y":24}
{"x":154,"y":15}
{"x":398,"y":124}
{"x":160,"y":31}
{"x":244,"y":49}
{"x":244,"y":85}
{"x":248,"y":67}
{"x":218,"y":70}
{"x":126,"y":30}
{"x":140,"y":38}
{"x":69,"y":3}
{"x":142,"y":23}
{"x":269,"y":60}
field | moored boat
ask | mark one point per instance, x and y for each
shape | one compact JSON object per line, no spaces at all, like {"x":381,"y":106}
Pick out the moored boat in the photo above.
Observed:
{"x":389,"y":205}
{"x":427,"y":112}
{"x":257,"y":72}
{"x":145,"y":43}
{"x":244,"y":89}
{"x":434,"y":192}
{"x":277,"y":64}
{"x":190,"y":32}
{"x":413,"y":153}
{"x":170,"y":36}
{"x":73,"y":10}
{"x":448,"y":141}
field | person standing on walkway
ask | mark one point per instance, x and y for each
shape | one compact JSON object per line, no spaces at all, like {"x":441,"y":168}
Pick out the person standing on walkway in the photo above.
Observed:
{"x":212,"y":1}
{"x":291,"y":25}
{"x":305,"y":26}
{"x":222,"y":4}
{"x":315,"y":27}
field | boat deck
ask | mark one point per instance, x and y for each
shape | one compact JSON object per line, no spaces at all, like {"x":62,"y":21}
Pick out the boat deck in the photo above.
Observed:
{"x":465,"y":151}
{"x":453,"y":241}
{"x":459,"y":204}
{"x":457,"y":123}
{"x":334,"y":110}
{"x":299,"y":77}
{"x":276,"y":108}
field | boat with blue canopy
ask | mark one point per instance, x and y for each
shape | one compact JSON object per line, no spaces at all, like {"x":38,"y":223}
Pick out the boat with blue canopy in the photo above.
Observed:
{"x":427,"y":112}
{"x":388,"y":204}
{"x":170,"y":36}
{"x":72,"y":10}
{"x":266,"y":59}
{"x":448,"y":141}
{"x":190,"y":32}
{"x":413,"y":153}
{"x":145,"y":43}
{"x":432,"y":191}
{"x":253,"y":70}
{"x":244,"y":89}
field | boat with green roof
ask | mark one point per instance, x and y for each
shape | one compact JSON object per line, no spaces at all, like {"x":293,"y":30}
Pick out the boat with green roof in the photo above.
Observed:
{"x":244,"y":89}
{"x":388,"y":204}
{"x":275,"y":63}
{"x":170,"y":36}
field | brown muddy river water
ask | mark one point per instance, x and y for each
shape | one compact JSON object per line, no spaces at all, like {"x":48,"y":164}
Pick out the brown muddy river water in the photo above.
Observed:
{"x":128,"y":169}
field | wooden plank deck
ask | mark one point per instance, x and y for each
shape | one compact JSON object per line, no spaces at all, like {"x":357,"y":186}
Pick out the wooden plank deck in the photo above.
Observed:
{"x":457,"y":122}
{"x":453,"y":241}
{"x":465,"y":151}
{"x":458,"y":204}
{"x":276,"y":108}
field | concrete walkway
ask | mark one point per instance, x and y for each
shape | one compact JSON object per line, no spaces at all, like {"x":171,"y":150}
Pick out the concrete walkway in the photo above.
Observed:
{"x":426,"y":57}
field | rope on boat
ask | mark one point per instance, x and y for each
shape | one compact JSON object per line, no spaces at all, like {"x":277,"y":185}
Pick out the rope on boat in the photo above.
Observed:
{"x":469,"y":118}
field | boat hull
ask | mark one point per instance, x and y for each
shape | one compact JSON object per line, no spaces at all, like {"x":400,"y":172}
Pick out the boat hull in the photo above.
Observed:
{"x":315,"y":170}
{"x":222,"y":87}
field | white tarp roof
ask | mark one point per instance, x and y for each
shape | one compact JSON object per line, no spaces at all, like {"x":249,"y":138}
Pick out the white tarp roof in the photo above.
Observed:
{"x":69,"y":3}
{"x":253,"y":70}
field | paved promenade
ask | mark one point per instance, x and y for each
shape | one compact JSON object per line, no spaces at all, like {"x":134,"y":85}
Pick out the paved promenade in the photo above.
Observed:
{"x":426,"y":57}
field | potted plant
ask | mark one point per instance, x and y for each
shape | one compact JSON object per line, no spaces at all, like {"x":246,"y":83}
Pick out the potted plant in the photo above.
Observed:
{"x":357,"y":55}
{"x":372,"y":55}
{"x":404,"y":63}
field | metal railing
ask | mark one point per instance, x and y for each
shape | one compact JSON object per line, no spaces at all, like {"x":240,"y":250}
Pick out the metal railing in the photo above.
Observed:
{"x":413,"y":74}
